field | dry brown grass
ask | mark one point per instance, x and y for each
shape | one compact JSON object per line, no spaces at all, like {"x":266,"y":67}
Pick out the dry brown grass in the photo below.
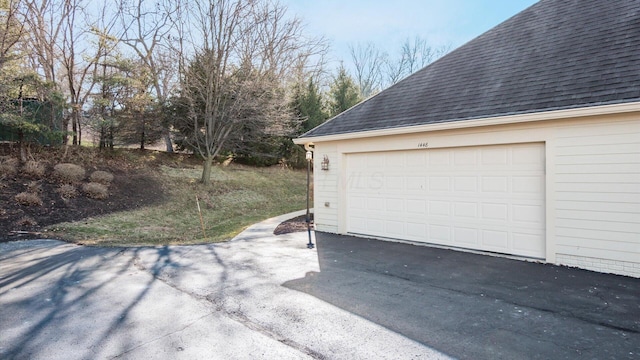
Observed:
{"x":34,"y":169}
{"x":68,"y":173}
{"x":95,"y":190}
{"x":101,"y":177}
{"x":28,"y":199}
{"x":26,"y":221}
{"x":34,"y":187}
{"x":8,"y":166}
{"x":67,"y":191}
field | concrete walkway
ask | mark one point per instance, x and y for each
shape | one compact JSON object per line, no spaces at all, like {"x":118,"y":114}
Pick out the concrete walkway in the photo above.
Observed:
{"x":219,"y":301}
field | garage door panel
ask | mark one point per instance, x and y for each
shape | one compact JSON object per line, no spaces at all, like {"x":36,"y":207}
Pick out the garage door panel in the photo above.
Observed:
{"x":466,"y":209}
{"x":395,"y":160}
{"x":527,"y":244}
{"x":439,"y":183}
{"x":416,"y":231}
{"x":438,"y":159}
{"x":465,"y":236}
{"x":495,"y":211}
{"x":415,"y":160}
{"x":494,"y":156}
{"x":526,"y":185}
{"x":465,"y":184}
{"x":416,"y":206}
{"x":495,"y":184}
{"x":395,"y":205}
{"x":465,"y":159}
{"x":394,"y":228}
{"x":440,"y":233}
{"x":439,"y":208}
{"x":487,"y":198}
{"x":528,"y":213}
{"x":495,"y":240}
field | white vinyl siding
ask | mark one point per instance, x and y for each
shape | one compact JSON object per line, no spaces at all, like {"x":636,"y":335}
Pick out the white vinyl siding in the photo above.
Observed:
{"x":597,"y":186}
{"x":325,"y":194}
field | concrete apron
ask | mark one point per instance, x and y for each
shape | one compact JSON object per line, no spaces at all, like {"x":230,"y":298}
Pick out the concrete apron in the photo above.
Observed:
{"x":218,"y":301}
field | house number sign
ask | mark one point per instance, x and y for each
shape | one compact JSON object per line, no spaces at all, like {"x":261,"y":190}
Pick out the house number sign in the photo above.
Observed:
{"x":423,"y":144}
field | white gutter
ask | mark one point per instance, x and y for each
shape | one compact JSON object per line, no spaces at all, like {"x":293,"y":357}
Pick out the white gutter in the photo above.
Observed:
{"x":499,"y":120}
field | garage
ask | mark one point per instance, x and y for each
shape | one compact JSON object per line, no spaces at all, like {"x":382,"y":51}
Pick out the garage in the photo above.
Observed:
{"x":488,"y":198}
{"x":520,"y":142}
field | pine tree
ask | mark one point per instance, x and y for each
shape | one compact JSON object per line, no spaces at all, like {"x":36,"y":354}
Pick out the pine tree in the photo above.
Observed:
{"x":343,"y":93}
{"x":308,"y":105}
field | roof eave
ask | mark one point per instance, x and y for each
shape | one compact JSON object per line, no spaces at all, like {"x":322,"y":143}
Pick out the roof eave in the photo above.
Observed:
{"x":490,"y":121}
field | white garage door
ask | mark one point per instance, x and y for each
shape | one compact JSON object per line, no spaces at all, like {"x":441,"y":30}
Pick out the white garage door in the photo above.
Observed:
{"x":488,"y":198}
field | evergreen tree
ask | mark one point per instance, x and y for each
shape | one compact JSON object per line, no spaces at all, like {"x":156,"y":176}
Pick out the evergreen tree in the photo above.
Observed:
{"x":309,"y":106}
{"x":343,"y":93}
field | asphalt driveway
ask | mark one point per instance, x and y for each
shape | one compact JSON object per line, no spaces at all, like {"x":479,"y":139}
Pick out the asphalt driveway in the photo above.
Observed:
{"x":261,"y":296}
{"x":472,"y":306}
{"x":218,"y":301}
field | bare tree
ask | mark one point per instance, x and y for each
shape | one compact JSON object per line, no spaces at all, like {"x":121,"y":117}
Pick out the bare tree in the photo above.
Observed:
{"x":414,"y":54}
{"x":60,"y":41}
{"x":236,"y":70}
{"x":417,"y":53}
{"x":79,"y":61}
{"x":45,"y":21}
{"x":148,"y":28}
{"x":368,"y":61}
{"x":12,"y":29}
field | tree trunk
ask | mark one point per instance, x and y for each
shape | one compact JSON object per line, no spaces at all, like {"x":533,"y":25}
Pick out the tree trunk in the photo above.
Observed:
{"x":74,"y":126}
{"x":167,"y":141}
{"x":79,"y":132}
{"x":65,"y":129}
{"x":23,"y":149}
{"x":142,"y":135}
{"x":206,"y":170}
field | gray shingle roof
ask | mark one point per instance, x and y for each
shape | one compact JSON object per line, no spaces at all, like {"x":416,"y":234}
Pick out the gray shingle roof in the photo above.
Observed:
{"x":557,"y":54}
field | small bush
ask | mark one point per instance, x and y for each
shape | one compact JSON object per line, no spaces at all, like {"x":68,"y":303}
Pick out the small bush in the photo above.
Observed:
{"x":28,"y":199}
{"x":95,"y":190}
{"x":26,"y":221}
{"x":8,"y":166}
{"x":101,"y":177}
{"x":34,"y":187}
{"x":34,"y":169}
{"x":67,"y":191}
{"x":68,"y":173}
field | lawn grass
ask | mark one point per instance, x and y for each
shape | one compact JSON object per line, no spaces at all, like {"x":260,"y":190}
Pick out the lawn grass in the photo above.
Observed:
{"x":237,"y":197}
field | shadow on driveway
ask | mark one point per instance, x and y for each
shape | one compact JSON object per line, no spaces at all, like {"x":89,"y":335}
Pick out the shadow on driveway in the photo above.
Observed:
{"x":476,"y":306}
{"x":67,"y":295}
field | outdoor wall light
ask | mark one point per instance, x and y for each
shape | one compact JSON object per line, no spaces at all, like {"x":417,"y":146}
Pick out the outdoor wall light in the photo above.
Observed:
{"x":324,"y":165}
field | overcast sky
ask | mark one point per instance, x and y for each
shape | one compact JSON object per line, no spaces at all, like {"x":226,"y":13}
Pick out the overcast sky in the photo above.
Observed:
{"x":388,"y":22}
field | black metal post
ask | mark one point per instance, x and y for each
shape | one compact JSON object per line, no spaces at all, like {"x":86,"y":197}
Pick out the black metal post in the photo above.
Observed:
{"x":308,"y":218}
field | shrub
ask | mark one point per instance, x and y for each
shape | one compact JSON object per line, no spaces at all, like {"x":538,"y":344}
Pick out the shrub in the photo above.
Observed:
{"x":33,"y":169}
{"x":28,"y":199}
{"x":67,"y":191}
{"x":26,"y":221}
{"x":68,"y":173}
{"x":8,"y":166}
{"x":95,"y":190}
{"x":101,"y":177}
{"x":34,"y":187}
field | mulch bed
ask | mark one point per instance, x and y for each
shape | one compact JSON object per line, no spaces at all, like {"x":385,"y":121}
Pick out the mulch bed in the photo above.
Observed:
{"x":296,"y":224}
